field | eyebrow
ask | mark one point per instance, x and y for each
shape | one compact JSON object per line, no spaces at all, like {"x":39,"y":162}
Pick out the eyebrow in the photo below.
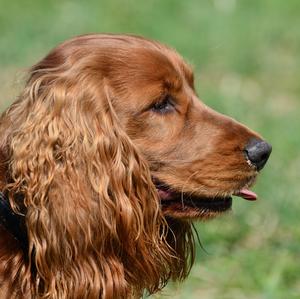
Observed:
{"x":174,"y":83}
{"x":188,"y":74}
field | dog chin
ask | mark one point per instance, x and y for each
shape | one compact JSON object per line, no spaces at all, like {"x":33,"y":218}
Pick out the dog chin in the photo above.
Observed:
{"x":197,"y":212}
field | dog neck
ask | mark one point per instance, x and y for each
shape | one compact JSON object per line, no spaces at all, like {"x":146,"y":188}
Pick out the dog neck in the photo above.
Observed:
{"x":14,"y":223}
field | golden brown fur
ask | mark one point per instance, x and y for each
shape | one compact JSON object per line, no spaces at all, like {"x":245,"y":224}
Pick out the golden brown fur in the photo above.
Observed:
{"x":81,"y":147}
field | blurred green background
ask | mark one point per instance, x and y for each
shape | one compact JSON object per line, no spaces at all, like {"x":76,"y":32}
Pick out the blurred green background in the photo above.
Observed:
{"x":246,"y":55}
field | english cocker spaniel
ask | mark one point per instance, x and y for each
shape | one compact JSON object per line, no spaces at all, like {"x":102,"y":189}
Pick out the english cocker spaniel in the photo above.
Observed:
{"x":106,"y":157}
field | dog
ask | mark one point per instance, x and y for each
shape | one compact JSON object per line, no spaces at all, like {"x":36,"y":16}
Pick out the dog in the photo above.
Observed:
{"x":107,"y":156}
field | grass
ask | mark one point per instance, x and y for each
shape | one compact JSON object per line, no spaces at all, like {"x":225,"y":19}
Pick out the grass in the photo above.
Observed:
{"x":246,"y":58}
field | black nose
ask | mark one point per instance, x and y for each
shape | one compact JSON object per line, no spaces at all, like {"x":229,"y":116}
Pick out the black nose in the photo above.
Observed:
{"x":258,"y":152}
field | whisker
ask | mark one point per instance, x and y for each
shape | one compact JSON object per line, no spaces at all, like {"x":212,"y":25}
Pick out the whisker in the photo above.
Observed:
{"x":184,"y":184}
{"x":198,"y":238}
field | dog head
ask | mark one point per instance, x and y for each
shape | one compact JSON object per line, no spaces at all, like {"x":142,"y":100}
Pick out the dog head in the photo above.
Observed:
{"x":112,"y":154}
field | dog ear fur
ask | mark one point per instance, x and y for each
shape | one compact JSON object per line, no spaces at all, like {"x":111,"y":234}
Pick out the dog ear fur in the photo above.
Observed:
{"x":92,"y":213}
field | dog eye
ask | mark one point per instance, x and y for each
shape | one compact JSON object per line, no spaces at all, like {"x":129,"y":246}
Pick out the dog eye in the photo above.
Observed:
{"x":166,"y":105}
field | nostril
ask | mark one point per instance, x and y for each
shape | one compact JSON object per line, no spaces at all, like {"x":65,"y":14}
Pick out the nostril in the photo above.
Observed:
{"x":258,"y":152}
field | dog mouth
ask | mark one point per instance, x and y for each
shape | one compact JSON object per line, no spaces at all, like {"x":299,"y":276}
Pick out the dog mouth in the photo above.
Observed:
{"x":191,"y":205}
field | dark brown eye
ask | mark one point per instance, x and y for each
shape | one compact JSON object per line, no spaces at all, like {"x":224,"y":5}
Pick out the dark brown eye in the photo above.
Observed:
{"x":166,"y":105}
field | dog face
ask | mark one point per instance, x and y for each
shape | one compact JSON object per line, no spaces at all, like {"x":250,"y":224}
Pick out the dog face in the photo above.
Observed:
{"x":198,"y":157}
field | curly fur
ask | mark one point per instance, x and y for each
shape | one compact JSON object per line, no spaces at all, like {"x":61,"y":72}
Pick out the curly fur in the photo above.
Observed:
{"x":93,"y":216}
{"x":78,"y":162}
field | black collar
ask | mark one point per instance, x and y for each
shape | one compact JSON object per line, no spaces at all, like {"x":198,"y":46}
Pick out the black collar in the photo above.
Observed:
{"x":12,"y":222}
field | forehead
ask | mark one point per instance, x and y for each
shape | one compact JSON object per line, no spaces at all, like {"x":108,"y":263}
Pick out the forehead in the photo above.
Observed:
{"x":151,"y":64}
{"x":129,"y":58}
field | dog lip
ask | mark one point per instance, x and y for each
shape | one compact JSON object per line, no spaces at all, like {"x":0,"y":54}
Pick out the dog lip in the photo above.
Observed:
{"x":179,"y":200}
{"x":164,"y":194}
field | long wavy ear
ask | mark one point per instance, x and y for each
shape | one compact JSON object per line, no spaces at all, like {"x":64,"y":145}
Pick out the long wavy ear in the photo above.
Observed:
{"x":93,"y":219}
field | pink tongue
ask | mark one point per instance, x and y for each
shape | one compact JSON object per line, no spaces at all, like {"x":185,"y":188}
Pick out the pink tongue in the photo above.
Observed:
{"x":247,"y":194}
